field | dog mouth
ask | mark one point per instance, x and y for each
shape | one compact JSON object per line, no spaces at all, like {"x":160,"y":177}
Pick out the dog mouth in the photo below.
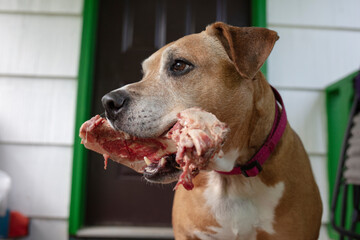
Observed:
{"x":165,"y":170}
{"x":162,"y":169}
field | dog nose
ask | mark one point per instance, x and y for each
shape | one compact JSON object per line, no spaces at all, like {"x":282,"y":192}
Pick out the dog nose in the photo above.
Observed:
{"x":113,"y":102}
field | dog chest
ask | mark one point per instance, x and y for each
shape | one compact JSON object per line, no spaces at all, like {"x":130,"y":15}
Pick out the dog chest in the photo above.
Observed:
{"x":241,"y":207}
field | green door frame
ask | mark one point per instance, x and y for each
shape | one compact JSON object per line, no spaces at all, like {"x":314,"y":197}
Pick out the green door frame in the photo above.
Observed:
{"x":84,"y":96}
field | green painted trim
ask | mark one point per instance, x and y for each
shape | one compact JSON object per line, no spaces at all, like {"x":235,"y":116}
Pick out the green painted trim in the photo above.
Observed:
{"x":258,"y":13}
{"x":339,"y":100}
{"x":84,"y":95}
{"x":258,"y":19}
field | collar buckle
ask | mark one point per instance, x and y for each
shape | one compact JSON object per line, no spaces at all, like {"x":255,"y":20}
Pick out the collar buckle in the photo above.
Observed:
{"x":251,"y":169}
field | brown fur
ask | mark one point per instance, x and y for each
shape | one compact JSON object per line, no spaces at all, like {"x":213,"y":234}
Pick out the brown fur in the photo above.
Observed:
{"x":226,"y":81}
{"x":298,"y":215}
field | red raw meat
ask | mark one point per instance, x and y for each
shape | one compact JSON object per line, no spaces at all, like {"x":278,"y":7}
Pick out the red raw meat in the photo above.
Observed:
{"x":196,"y":138}
{"x":97,"y":135}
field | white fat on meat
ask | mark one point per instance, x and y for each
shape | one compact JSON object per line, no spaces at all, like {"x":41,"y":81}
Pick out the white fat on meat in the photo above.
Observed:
{"x":199,"y":136}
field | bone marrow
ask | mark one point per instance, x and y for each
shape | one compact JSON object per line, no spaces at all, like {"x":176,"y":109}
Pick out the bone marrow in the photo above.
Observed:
{"x":190,"y":145}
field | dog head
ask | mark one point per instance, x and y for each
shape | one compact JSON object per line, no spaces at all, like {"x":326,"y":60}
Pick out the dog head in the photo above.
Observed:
{"x":212,"y":70}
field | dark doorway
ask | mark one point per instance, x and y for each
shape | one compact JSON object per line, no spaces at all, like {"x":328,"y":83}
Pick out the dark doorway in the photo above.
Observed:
{"x":128,"y":32}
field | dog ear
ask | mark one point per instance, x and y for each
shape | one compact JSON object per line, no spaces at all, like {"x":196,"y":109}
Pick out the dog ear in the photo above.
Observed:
{"x":247,"y":47}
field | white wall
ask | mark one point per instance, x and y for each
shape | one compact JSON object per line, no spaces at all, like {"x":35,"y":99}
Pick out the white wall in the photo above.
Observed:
{"x":39,"y":54}
{"x":319,"y":44}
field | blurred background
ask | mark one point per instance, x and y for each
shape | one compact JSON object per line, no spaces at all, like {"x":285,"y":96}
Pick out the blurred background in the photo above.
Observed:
{"x":58,"y":57}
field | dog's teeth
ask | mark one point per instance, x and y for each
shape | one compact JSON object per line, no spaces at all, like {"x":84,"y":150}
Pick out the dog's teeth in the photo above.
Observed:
{"x":151,"y":170}
{"x":162,"y":161}
{"x":147,"y":161}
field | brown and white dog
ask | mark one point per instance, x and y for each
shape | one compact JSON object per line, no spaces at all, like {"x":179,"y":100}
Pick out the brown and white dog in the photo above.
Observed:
{"x":218,"y":71}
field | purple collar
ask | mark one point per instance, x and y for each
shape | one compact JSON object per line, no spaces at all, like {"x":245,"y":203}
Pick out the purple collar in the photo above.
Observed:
{"x":254,"y":166}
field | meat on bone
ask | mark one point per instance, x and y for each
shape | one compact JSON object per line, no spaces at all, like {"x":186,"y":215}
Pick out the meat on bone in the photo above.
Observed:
{"x":196,"y":138}
{"x":97,"y":135}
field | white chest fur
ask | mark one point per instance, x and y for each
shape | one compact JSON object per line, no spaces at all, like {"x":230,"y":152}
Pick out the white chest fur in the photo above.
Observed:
{"x":240,"y":206}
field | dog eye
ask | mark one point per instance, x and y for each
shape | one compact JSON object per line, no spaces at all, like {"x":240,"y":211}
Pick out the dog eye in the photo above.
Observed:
{"x":180,"y":67}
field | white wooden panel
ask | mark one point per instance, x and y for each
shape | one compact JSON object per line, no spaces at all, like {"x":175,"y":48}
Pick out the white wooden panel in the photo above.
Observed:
{"x":49,"y":6}
{"x":331,"y":13}
{"x":40,"y":179}
{"x":126,"y":232}
{"x":307,"y":116}
{"x":313,"y":58}
{"x":319,"y":167}
{"x":39,"y":45}
{"x":48,"y":229}
{"x":323,"y":233}
{"x":37,"y":110}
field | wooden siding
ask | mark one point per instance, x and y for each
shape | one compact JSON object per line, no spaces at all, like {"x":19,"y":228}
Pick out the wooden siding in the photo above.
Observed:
{"x":39,"y":54}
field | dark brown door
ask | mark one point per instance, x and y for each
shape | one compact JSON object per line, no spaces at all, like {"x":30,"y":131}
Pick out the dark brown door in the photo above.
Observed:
{"x":128,"y":32}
